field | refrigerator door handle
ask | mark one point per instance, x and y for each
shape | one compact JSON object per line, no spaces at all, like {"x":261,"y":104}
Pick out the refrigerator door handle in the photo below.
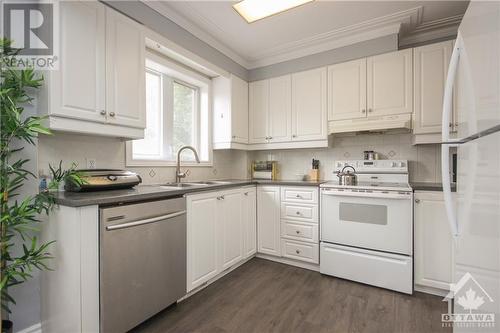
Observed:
{"x":446,"y":141}
{"x":448,"y":91}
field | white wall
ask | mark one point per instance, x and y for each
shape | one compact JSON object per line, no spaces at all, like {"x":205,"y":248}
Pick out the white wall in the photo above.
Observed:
{"x":424,"y":160}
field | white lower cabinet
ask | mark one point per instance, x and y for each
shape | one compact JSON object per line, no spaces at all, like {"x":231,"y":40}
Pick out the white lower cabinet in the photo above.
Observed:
{"x":220,"y":229}
{"x":249,"y":220}
{"x":433,"y":242}
{"x":268,"y":220}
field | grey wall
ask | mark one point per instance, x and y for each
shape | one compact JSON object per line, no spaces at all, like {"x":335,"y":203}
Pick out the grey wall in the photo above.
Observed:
{"x":342,"y":54}
{"x":167,"y":28}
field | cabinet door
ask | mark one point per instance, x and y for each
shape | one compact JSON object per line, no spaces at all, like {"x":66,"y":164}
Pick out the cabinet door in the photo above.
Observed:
{"x":430,"y":71}
{"x":230,"y":228}
{"x":77,"y":90}
{"x":125,"y":71}
{"x":433,"y":241}
{"x":280,"y":109}
{"x":268,"y":220}
{"x":347,"y":90}
{"x":202,"y":239}
{"x":249,"y":216}
{"x":309,"y":120}
{"x":258,"y":111}
{"x":389,"y":85}
{"x":239,"y":110}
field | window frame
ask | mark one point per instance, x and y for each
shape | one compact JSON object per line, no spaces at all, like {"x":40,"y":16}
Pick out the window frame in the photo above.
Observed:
{"x":174,"y":72}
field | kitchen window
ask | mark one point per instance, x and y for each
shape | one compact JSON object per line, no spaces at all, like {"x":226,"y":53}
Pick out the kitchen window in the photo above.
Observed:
{"x":177,"y":114}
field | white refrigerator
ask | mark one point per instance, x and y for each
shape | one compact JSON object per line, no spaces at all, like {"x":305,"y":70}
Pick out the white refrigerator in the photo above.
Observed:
{"x":473,"y":91}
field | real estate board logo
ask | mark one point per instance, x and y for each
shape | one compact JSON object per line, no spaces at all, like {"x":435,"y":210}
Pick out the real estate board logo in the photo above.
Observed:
{"x":470,"y":301}
{"x":32,"y":27}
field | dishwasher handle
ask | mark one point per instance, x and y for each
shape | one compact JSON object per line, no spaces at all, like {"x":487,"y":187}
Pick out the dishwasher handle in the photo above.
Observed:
{"x":145,"y":221}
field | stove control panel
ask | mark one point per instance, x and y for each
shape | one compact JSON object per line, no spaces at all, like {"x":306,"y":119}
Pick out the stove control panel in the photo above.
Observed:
{"x":374,"y":166}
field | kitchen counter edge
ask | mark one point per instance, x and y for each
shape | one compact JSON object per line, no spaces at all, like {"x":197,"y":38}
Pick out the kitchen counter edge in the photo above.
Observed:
{"x":153,"y":192}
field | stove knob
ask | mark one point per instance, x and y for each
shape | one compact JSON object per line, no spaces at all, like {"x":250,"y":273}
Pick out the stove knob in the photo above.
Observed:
{"x":393,"y":164}
{"x":401,"y":164}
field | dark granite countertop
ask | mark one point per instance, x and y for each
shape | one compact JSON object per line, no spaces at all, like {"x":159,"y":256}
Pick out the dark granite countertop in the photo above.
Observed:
{"x":152,"y":192}
{"x":427,"y":186}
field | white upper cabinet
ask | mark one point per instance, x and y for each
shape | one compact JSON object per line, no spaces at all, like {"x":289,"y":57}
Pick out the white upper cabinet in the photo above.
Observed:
{"x":390,"y":84}
{"x":125,"y":71}
{"x":78,"y":89}
{"x":280,"y":109}
{"x":430,"y":72}
{"x":347,"y":90}
{"x":259,"y":111}
{"x":230,"y":101}
{"x":309,"y":109}
{"x":99,"y":87}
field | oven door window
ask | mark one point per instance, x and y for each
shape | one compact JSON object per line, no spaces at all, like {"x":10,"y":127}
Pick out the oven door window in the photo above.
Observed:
{"x":363,"y":213}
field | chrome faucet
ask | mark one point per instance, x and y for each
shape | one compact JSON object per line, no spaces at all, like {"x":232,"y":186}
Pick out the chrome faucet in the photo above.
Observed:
{"x":178,"y":174}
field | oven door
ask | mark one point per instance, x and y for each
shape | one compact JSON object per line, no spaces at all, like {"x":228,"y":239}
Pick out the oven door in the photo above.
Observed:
{"x":379,"y":220}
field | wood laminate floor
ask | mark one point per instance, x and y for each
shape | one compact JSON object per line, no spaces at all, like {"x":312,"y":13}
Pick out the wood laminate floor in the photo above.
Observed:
{"x":264,"y":296}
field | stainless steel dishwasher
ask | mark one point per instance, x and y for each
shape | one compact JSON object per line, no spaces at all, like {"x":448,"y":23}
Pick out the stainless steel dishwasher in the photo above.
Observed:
{"x":142,"y":261}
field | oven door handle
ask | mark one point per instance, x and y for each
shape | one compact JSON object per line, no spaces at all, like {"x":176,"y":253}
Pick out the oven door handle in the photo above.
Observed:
{"x":400,"y":196}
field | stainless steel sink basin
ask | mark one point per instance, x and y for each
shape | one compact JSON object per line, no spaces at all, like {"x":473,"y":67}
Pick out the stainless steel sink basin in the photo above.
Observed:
{"x":181,"y":185}
{"x":215,"y":182}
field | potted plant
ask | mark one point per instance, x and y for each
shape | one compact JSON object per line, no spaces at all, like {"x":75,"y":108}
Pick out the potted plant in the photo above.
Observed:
{"x":20,"y":215}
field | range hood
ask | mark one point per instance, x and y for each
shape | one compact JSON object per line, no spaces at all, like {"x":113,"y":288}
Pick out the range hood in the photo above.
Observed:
{"x":375,"y":124}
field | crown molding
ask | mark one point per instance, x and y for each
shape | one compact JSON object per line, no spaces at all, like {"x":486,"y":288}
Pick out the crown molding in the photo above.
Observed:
{"x":432,"y":30}
{"x":167,"y":11}
{"x":407,"y":23}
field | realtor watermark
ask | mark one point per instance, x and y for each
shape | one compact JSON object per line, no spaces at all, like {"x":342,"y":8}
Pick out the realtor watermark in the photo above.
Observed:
{"x":32,"y":27}
{"x":467,"y":300}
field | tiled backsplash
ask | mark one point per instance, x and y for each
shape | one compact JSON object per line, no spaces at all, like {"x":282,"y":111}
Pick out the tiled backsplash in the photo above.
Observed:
{"x":110,"y":153}
{"x":424,"y":160}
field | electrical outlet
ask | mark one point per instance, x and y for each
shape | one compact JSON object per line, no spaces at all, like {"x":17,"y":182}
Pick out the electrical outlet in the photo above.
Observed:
{"x":91,"y":163}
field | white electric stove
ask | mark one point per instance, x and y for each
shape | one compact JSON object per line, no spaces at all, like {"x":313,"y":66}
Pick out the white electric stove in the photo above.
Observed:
{"x":367,"y":228}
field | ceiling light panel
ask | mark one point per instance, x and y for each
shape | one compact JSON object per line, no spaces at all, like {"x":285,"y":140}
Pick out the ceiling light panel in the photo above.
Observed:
{"x":253,"y":10}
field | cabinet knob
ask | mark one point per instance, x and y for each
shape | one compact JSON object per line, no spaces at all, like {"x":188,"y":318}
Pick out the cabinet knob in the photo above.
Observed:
{"x":112,"y":114}
{"x":298,"y":232}
{"x":270,"y":138}
{"x":233,"y":137}
{"x":246,"y":193}
{"x":298,"y":196}
{"x":297,"y":251}
{"x":363,"y":111}
{"x":417,"y":200}
{"x":370,"y":110}
{"x":222,"y":197}
{"x":298,"y":213}
{"x":450,"y":125}
{"x":103,"y":112}
{"x":294,"y":136}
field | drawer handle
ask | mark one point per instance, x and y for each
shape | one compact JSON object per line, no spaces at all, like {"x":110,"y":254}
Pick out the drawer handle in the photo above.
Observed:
{"x":297,"y":251}
{"x":298,"y":213}
{"x":298,"y":196}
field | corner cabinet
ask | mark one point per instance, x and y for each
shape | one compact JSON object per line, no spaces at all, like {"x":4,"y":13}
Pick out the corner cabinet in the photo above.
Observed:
{"x":433,"y":243}
{"x":99,"y":87}
{"x":230,"y":109}
{"x":221,"y":230}
{"x":430,"y":71}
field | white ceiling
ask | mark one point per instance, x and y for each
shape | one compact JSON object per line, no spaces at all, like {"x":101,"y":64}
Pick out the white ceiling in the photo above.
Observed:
{"x":311,"y":28}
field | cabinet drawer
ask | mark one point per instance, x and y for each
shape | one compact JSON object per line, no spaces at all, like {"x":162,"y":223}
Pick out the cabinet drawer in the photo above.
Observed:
{"x":299,"y":231}
{"x":300,"y":194}
{"x":304,"y":213}
{"x":300,"y":251}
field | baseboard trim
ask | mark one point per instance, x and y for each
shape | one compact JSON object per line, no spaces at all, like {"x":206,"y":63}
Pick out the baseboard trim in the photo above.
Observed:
{"x":431,"y":290}
{"x":37,"y":328}
{"x":291,"y":262}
